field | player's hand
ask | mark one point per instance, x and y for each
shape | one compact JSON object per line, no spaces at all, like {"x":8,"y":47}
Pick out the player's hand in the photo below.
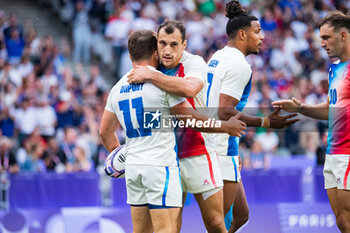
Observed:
{"x":236,"y":127}
{"x":139,"y":74}
{"x":292,"y":105}
{"x":278,"y":122}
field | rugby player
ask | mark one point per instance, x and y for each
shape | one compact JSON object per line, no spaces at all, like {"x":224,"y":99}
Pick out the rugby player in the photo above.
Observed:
{"x":335,"y":39}
{"x":184,"y":74}
{"x":152,"y":174}
{"x":230,"y":80}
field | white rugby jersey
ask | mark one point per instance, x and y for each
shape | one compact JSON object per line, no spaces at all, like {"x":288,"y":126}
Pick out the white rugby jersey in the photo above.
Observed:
{"x":190,"y":142}
{"x":195,"y":66}
{"x":229,"y":73}
{"x":146,"y":146}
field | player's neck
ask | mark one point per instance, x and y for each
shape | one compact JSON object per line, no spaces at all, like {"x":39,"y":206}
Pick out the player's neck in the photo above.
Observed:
{"x":345,"y":56}
{"x":234,"y":44}
{"x":143,"y":63}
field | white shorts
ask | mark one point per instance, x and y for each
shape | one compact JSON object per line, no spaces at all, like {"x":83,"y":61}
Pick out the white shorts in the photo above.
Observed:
{"x":200,"y":173}
{"x":336,"y":172}
{"x":230,"y":168}
{"x":153,"y":185}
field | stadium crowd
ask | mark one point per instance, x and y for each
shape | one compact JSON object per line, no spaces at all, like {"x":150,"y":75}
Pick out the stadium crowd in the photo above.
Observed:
{"x":49,"y":115}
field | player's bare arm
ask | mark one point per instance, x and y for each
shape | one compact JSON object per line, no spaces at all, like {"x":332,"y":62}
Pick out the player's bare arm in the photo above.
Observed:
{"x":232,"y":126}
{"x":274,"y":120}
{"x":318,"y":111}
{"x":185,"y":87}
{"x":109,"y":125}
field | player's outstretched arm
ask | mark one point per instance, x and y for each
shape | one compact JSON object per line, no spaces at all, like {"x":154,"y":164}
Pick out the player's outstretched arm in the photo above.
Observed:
{"x":274,"y":120}
{"x":185,"y":87}
{"x":232,"y":126}
{"x":318,"y":111}
{"x":108,"y":126}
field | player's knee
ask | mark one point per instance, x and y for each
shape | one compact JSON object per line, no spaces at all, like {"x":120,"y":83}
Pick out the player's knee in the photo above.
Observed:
{"x":343,"y":223}
{"x":216,"y":222}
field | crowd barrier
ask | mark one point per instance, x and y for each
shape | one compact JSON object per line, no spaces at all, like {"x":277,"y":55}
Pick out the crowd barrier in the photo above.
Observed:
{"x":288,"y":197}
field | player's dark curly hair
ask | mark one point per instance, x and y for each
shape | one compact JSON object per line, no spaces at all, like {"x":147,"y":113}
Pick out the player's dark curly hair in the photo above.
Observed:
{"x":336,"y":19}
{"x":238,"y":18}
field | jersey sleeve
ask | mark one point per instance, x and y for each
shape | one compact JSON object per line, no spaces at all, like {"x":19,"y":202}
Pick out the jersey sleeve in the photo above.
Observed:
{"x":174,"y":100}
{"x":196,"y":67}
{"x":235,"y":81}
{"x":109,"y":105}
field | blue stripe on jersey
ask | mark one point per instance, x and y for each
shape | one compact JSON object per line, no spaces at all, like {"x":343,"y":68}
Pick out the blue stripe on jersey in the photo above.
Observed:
{"x":235,"y":165}
{"x":170,"y":72}
{"x":180,"y":179}
{"x":210,"y":82}
{"x":232,"y":148}
{"x":165,"y":186}
{"x":152,"y":207}
{"x":244,"y":99}
{"x":176,"y":148}
{"x":233,"y":142}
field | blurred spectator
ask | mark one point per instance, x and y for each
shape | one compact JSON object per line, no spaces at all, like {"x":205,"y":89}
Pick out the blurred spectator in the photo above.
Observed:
{"x":144,"y":22}
{"x":46,"y":117}
{"x":268,"y":141}
{"x":14,"y":46}
{"x":52,"y":157}
{"x":256,"y":159}
{"x":13,"y":25}
{"x":81,"y":162}
{"x":8,"y":161}
{"x":67,"y":147}
{"x":98,"y":14}
{"x":65,"y":109}
{"x":97,"y":79}
{"x":268,"y":22}
{"x":25,"y":120}
{"x":10,"y":75}
{"x":7,"y":123}
{"x":25,"y":67}
{"x":81,"y":33}
{"x":30,"y":156}
{"x":117,"y":32}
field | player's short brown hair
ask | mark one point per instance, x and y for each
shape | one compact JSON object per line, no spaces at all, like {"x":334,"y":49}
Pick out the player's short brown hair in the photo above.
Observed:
{"x":336,"y":19}
{"x":142,"y":44}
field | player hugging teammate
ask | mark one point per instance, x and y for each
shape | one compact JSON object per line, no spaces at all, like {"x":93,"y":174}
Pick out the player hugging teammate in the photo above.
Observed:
{"x":181,"y":83}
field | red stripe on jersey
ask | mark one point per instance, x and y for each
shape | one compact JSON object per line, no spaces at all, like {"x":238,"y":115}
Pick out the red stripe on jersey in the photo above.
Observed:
{"x":190,"y":142}
{"x":347,"y":175}
{"x":211,"y":171}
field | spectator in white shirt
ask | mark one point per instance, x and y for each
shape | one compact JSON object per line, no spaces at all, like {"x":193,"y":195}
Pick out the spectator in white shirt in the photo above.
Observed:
{"x":25,"y":120}
{"x":117,"y":32}
{"x":46,"y":117}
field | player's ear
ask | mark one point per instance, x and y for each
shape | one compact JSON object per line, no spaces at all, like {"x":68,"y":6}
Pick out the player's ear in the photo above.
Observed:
{"x":344,"y":36}
{"x":156,"y":55}
{"x":242,"y":34}
{"x":185,"y":44}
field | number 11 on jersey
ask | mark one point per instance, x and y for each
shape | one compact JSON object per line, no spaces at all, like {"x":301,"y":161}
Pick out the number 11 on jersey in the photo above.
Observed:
{"x":136,"y":104}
